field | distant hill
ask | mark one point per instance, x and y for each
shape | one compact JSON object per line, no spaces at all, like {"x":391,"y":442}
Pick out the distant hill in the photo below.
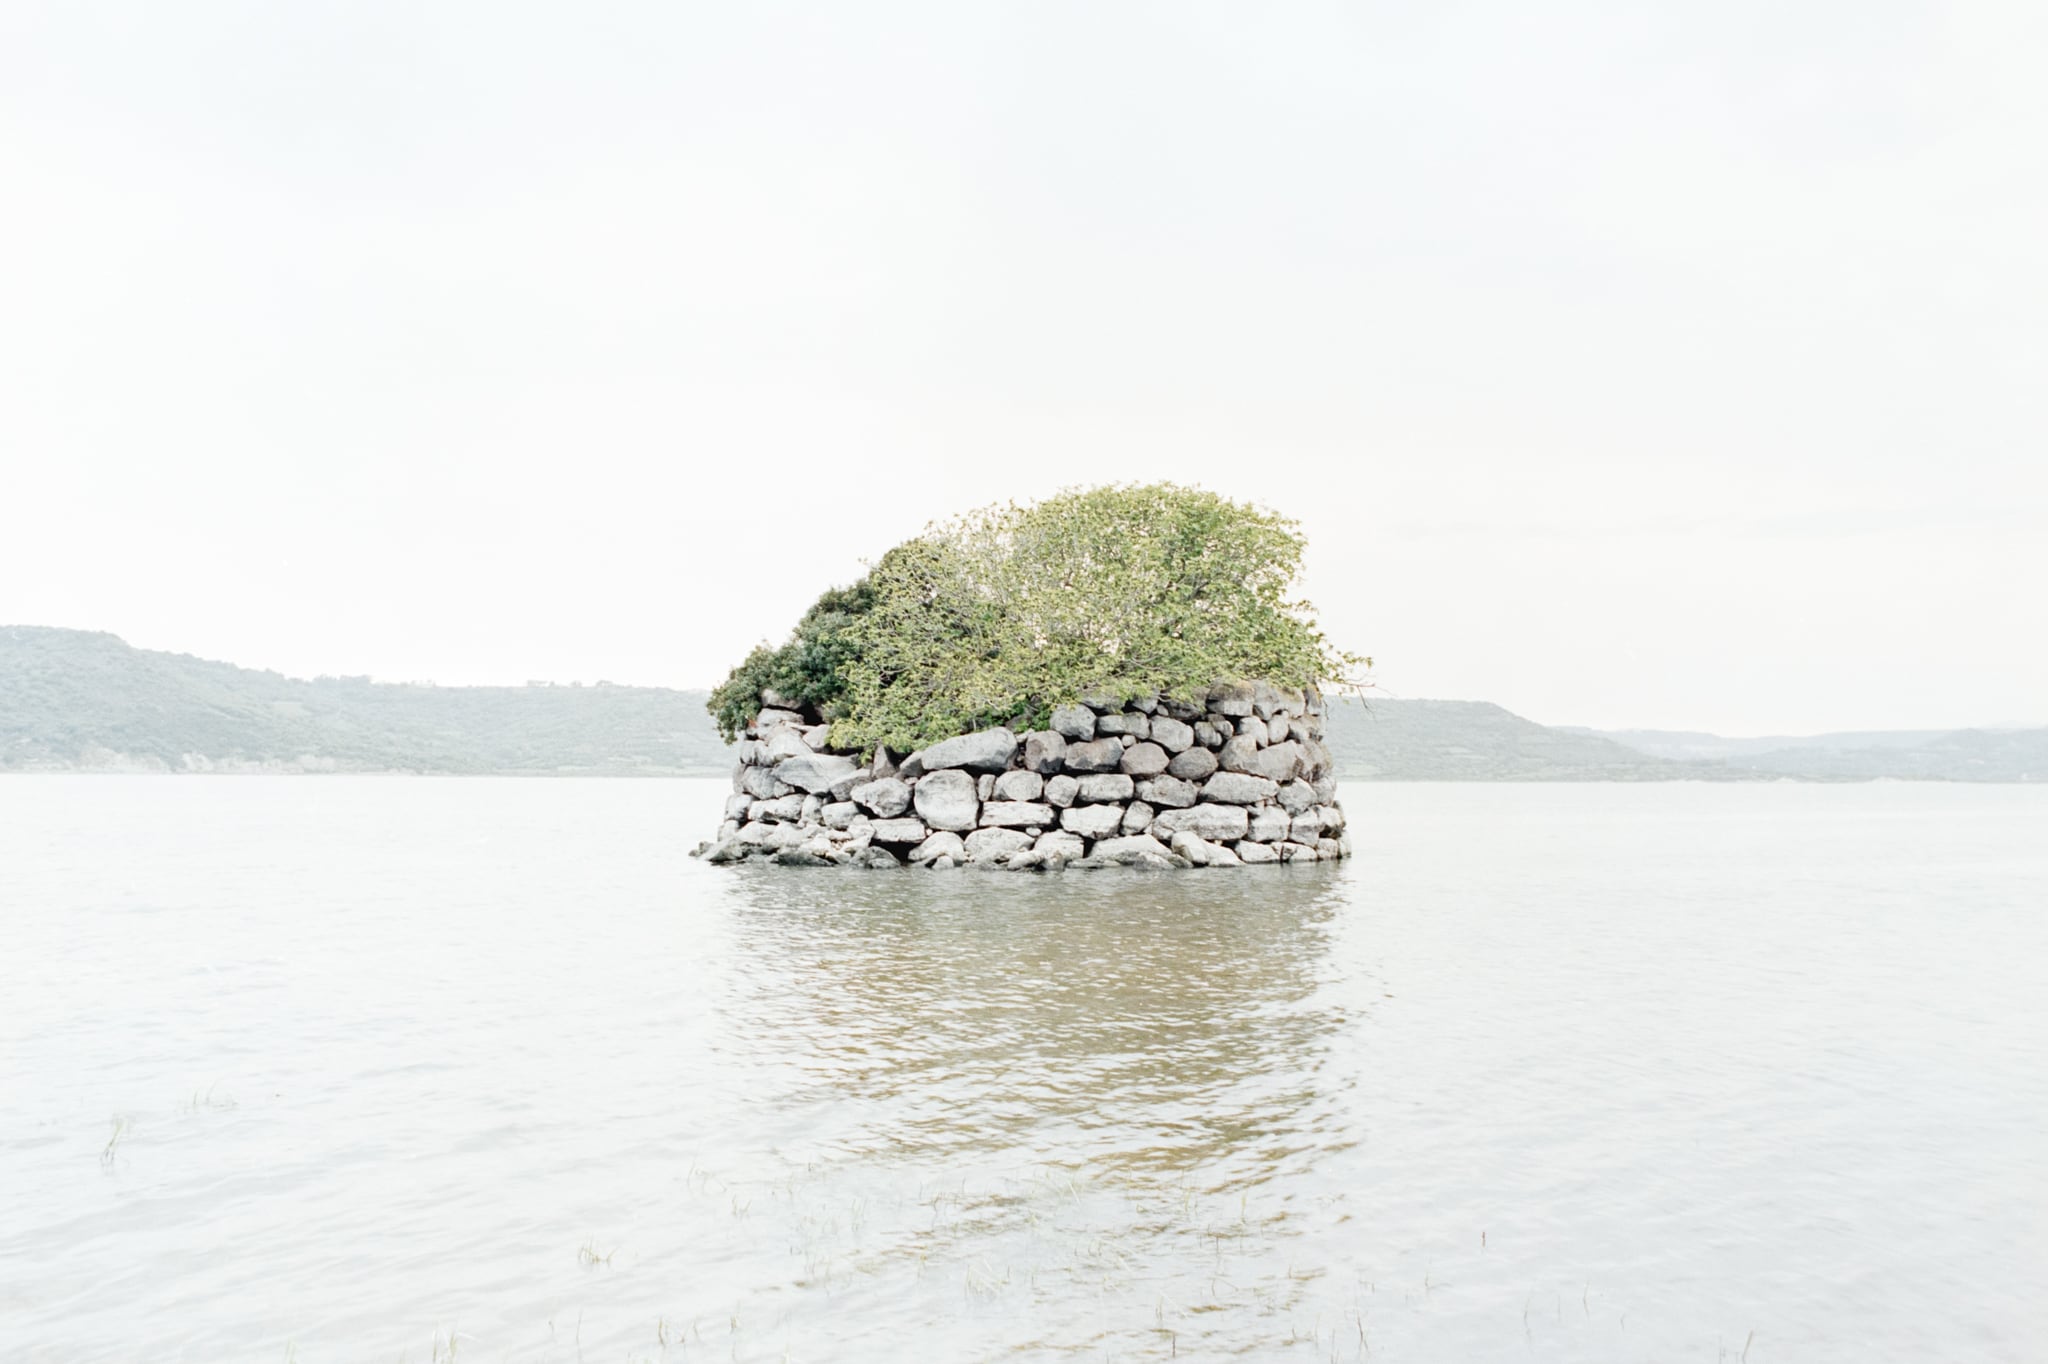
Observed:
{"x":2005,"y":755}
{"x":73,"y":700}
{"x":1389,"y":740}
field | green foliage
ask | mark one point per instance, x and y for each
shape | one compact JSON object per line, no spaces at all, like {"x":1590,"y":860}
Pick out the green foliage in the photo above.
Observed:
{"x":1012,"y":610}
{"x":807,"y":671}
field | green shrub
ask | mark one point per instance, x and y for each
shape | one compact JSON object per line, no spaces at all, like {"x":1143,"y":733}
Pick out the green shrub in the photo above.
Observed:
{"x":807,"y":671}
{"x":1010,"y":610}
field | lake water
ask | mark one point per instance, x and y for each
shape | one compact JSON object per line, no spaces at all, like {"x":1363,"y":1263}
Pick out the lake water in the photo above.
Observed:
{"x":382,"y":1069}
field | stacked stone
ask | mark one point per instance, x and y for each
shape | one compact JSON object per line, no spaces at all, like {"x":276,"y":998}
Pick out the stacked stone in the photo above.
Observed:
{"x":1241,"y":778}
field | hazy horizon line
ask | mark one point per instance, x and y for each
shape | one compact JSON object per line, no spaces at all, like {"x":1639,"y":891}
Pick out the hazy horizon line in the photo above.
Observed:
{"x":1376,"y":693}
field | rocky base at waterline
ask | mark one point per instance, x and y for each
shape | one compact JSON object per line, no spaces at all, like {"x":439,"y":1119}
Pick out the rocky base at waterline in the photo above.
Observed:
{"x":1240,"y":779}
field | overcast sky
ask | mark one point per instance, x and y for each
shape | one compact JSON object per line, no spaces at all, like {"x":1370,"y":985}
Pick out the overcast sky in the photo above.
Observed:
{"x":1677,"y":365}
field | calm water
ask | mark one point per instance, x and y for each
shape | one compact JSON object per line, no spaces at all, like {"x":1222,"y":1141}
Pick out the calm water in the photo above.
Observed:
{"x":384,"y":1069}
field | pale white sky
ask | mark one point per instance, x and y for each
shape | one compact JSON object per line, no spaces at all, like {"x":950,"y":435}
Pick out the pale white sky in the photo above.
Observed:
{"x":1675,"y":365}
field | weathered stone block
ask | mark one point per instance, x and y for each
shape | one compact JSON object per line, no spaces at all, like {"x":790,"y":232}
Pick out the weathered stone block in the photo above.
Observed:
{"x":947,"y":800}
{"x":1280,"y":762}
{"x":1221,"y":823}
{"x":1060,"y":843}
{"x":783,"y":807}
{"x":1023,"y":785}
{"x":1133,"y":723}
{"x":1090,"y":821}
{"x":1269,"y":825}
{"x":1295,"y":796}
{"x":888,"y":797}
{"x":1237,"y":753}
{"x":1233,"y":699}
{"x":1062,"y":791}
{"x":1101,"y":786}
{"x":1133,"y":850}
{"x":986,"y":845}
{"x":1045,"y":751}
{"x":1168,"y":792}
{"x":944,"y":843}
{"x":1145,"y":760}
{"x":1016,"y":814}
{"x":1097,"y":755}
{"x":1193,"y":765}
{"x":1076,"y":724}
{"x":899,"y":831}
{"x":813,"y":771}
{"x":1238,"y":788}
{"x":1171,"y":734}
{"x":987,"y":750}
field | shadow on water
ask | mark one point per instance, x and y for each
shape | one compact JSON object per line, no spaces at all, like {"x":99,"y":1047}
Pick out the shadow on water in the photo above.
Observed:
{"x":1141,"y":1024}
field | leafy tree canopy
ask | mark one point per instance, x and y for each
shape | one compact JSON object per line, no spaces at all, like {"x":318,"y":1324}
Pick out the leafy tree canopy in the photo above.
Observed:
{"x":1011,"y":610}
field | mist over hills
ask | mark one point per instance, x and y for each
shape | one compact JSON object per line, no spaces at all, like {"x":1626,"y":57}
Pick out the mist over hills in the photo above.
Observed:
{"x":82,"y":701}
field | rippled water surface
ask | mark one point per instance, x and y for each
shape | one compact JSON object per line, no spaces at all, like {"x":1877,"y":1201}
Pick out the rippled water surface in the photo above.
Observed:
{"x":385,"y":1069}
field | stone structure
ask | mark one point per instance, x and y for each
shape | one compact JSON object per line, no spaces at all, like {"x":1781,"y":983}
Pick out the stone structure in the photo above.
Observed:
{"x":1240,"y":779}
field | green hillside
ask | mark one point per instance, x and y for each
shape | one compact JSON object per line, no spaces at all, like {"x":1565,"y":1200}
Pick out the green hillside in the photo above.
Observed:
{"x":71,"y":699}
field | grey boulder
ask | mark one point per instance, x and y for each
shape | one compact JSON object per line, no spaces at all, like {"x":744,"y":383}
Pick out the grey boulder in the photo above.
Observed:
{"x":987,"y":750}
{"x":1280,"y":762}
{"x":1233,"y":699}
{"x":1060,"y":843}
{"x":1091,"y":821}
{"x":1237,"y":754}
{"x":898,"y":831}
{"x":1045,"y":751}
{"x":1145,"y":760}
{"x":1016,"y":814}
{"x":986,"y":845}
{"x":1238,"y":788}
{"x":1133,"y":850}
{"x":1021,"y":785}
{"x":814,"y":771}
{"x":1136,"y":725}
{"x":1269,"y":825}
{"x":1171,"y":734}
{"x":1296,"y":796}
{"x":947,"y":800}
{"x":1097,"y":755}
{"x":1169,"y":792}
{"x":1222,"y":823}
{"x":888,"y":797}
{"x":1075,"y":723}
{"x":1101,"y":786}
{"x":944,"y":843}
{"x":1193,"y":765}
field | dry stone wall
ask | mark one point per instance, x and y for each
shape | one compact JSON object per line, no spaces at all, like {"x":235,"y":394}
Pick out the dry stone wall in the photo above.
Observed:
{"x":1241,"y":778}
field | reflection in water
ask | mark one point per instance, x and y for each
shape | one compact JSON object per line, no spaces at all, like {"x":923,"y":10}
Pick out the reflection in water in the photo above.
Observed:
{"x":1072,"y":1092}
{"x":1142,"y":1023}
